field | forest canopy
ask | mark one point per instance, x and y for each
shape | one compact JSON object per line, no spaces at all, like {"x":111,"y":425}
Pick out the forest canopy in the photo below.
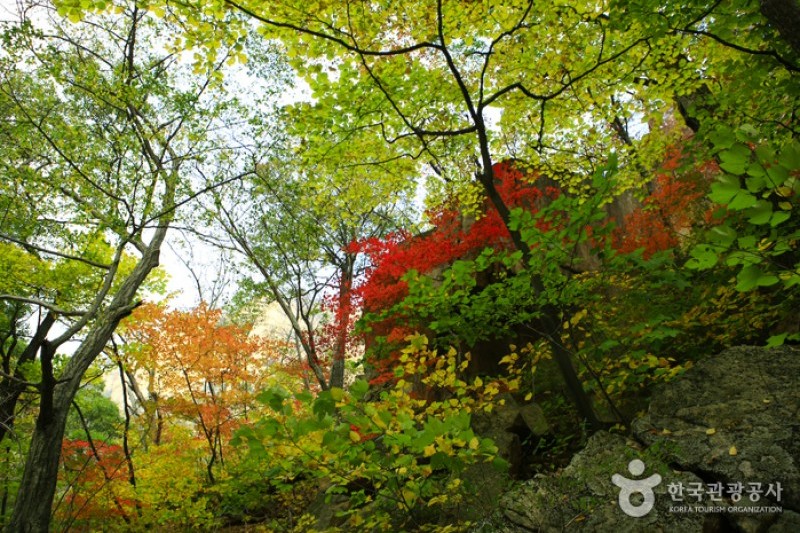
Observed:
{"x":454,"y":206}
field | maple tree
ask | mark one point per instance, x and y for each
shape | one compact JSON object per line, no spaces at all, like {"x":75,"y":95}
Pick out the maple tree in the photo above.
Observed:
{"x":198,"y":368}
{"x":669,"y":213}
{"x":454,"y":235}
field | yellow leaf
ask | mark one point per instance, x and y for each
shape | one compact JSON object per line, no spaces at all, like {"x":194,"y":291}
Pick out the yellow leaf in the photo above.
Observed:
{"x":429,"y":450}
{"x":474,"y":443}
{"x":528,"y":397}
{"x":355,"y":437}
{"x":710,"y":431}
{"x":732,"y":451}
{"x":337,"y":394}
{"x":409,"y":497}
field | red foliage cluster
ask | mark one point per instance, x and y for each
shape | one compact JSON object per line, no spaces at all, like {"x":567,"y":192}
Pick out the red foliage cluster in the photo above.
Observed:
{"x":89,"y":475}
{"x":669,"y":212}
{"x":452,"y":238}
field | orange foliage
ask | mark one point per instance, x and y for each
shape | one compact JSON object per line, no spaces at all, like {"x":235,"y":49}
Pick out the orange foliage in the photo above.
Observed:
{"x":91,"y":470}
{"x":671,"y":210}
{"x":200,"y":368}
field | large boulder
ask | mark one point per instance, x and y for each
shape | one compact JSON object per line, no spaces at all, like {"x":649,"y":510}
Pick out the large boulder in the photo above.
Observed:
{"x":733,"y":418}
{"x":583,"y":496}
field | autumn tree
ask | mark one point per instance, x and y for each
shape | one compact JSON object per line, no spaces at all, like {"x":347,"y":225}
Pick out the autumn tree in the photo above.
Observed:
{"x":199,"y":369}
{"x":102,"y":131}
{"x":294,"y":226}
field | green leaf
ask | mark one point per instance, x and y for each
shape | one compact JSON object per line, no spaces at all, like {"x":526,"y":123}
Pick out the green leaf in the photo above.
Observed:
{"x":748,"y":278}
{"x":751,"y":277}
{"x":756,"y":181}
{"x":776,"y":340}
{"x":765,"y":154}
{"x":760,"y":213}
{"x":324,"y":405}
{"x":337,"y":394}
{"x":725,"y":188}
{"x":742,"y":200}
{"x":703,"y":257}
{"x":500,"y":464}
{"x":722,"y":235}
{"x":747,"y":241}
{"x":790,"y":156}
{"x":777,"y":175}
{"x":273,"y":398}
{"x":359,"y":389}
{"x":735,"y":160}
{"x":722,"y":138}
{"x":779,"y":217}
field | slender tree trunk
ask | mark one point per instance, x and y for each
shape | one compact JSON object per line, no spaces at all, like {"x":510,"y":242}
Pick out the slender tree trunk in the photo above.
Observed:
{"x":126,"y":430}
{"x":549,"y":324}
{"x":12,"y":387}
{"x":342,"y":321}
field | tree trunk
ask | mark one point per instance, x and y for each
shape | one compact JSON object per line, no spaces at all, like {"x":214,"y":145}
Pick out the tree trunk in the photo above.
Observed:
{"x":37,"y":488}
{"x":342,"y":321}
{"x":12,"y":388}
{"x":550,"y":321}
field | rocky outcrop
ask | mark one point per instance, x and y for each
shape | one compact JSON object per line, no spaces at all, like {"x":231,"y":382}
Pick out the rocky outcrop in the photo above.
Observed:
{"x":583,"y":497}
{"x":732,"y":419}
{"x":511,"y":425}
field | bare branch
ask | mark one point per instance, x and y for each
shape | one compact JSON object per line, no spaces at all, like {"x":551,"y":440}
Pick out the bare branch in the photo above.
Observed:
{"x":41,"y":303}
{"x":350,"y":47}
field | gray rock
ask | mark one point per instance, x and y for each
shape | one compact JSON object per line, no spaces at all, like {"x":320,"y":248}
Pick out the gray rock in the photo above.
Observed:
{"x":731,"y":418}
{"x":508,"y":424}
{"x":583,"y":496}
{"x":734,"y":417}
{"x":788,"y":522}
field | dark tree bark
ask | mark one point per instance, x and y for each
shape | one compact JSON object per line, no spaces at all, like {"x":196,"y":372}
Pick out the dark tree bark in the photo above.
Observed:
{"x":342,"y":320}
{"x":37,"y":489}
{"x":12,"y":386}
{"x":549,"y":322}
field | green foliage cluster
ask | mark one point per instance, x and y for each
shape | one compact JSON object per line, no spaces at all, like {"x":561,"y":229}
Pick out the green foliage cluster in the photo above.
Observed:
{"x":395,"y":461}
{"x":758,"y":231}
